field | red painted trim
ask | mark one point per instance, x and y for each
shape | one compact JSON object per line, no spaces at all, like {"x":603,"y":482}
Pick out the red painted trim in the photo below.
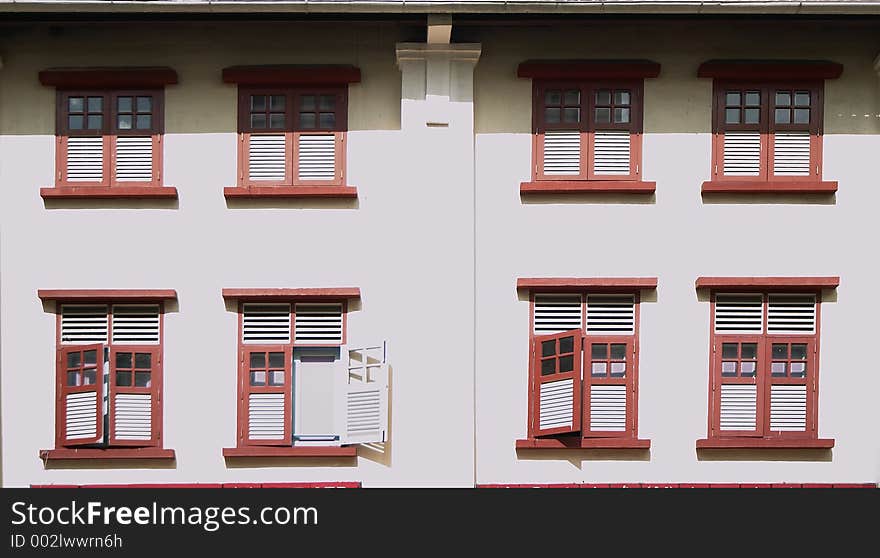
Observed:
{"x":109,"y":77}
{"x":768,"y":187}
{"x":291,"y":451}
{"x":588,"y":69}
{"x":109,"y":192}
{"x":763,"y":283}
{"x":107,"y":295}
{"x":594,"y":284}
{"x":282,"y":294}
{"x":251,"y":192}
{"x":278,"y":75}
{"x":758,"y":443}
{"x":587,"y":186}
{"x":110,"y":453}
{"x":311,"y":485}
{"x":770,"y":69}
{"x":578,"y":443}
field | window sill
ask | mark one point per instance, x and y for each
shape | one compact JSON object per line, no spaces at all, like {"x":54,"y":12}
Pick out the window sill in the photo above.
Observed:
{"x":587,"y":186}
{"x":758,"y":443}
{"x":110,"y":453}
{"x":290,"y":192}
{"x":109,"y":193}
{"x":577,"y":443}
{"x":291,"y":451}
{"x":769,"y":187}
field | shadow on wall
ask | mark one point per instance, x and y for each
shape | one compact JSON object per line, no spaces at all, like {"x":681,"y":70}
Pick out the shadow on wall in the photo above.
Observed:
{"x":577,"y":457}
{"x":381,"y":453}
{"x":282,"y":203}
{"x":765,"y":454}
{"x":110,"y":464}
{"x":110,"y":203}
{"x":589,"y":198}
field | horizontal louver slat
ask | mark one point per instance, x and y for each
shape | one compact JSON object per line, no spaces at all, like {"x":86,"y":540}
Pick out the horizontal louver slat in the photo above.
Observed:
{"x":612,"y":152}
{"x":742,"y":153}
{"x":791,"y":314}
{"x":788,"y":408}
{"x":363,"y":411}
{"x":318,"y":323}
{"x":317,"y":156}
{"x":556,"y":313}
{"x":607,"y":408}
{"x":611,"y":314}
{"x":791,"y":153}
{"x":739,"y":313}
{"x":267,"y":157}
{"x":82,"y":324}
{"x":266,"y":323}
{"x":80,"y":415}
{"x":266,"y":416}
{"x":738,"y":406}
{"x":562,"y":152}
{"x":556,"y":404}
{"x":136,"y":324}
{"x":132,"y":416}
{"x":85,"y":159}
{"x":134,"y":159}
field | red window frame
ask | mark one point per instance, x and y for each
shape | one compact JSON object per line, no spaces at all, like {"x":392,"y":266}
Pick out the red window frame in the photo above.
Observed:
{"x":537,"y":378}
{"x":156,"y":388}
{"x":292,"y":131}
{"x":628,"y":380}
{"x":109,"y":131}
{"x":767,"y":127}
{"x":587,"y":126}
{"x":763,"y":380}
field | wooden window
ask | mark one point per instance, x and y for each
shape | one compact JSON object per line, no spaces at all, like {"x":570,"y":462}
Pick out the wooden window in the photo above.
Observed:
{"x":764,"y":374}
{"x":109,"y":371}
{"x":587,"y":130}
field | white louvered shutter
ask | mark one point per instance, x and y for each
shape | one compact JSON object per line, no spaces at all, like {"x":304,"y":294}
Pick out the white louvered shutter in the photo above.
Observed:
{"x":318,"y":324}
{"x":135,"y":324}
{"x":791,"y":314}
{"x":134,"y":158}
{"x":85,"y":159}
{"x":608,"y":408}
{"x":738,"y":410}
{"x":611,"y":315}
{"x":267,"y":159}
{"x":557,"y":405}
{"x":611,"y":153}
{"x":81,"y":395}
{"x":562,"y":152}
{"x":133,"y":417}
{"x":788,"y":408}
{"x":266,"y":416}
{"x":317,"y":157}
{"x":791,"y":154}
{"x":739,"y":313}
{"x":266,"y":324}
{"x":555,"y":394}
{"x":742,"y":153}
{"x":83,"y":324}
{"x":555,"y":313}
{"x":364,"y":396}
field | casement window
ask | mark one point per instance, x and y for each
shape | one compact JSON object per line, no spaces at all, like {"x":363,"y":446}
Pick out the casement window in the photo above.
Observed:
{"x":109,"y":132}
{"x":292,"y":124}
{"x":767,"y":126}
{"x":300,"y":384}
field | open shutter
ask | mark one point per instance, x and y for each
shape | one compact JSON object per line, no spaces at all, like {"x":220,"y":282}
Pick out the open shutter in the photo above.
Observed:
{"x":80,"y":395}
{"x":555,"y":391}
{"x":265,"y":395}
{"x":365,"y":396}
{"x":134,"y":158}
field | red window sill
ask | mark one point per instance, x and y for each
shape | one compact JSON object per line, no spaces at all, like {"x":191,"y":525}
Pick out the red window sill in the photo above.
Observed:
{"x":587,"y":186}
{"x":577,"y":443}
{"x":245,"y":192}
{"x":757,"y":443}
{"x":285,"y":451}
{"x":770,"y":187}
{"x":110,"y":453}
{"x":109,"y":193}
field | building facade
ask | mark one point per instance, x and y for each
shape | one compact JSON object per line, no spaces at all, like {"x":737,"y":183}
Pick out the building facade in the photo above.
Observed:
{"x":479,"y":245}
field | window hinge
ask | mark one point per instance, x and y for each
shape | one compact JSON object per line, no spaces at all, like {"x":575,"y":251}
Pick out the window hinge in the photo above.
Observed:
{"x":713,"y":347}
{"x":817,"y":170}
{"x":59,"y":175}
{"x":637,"y":168}
{"x":716,"y":169}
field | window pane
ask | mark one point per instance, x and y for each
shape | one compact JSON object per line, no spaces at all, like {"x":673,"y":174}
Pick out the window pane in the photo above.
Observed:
{"x":258,"y":377}
{"x":258,"y":120}
{"x":276,"y":102}
{"x":90,"y":357}
{"x":258,"y":102}
{"x":551,"y":115}
{"x":802,"y":98}
{"x":96,"y":104}
{"x":258,"y":360}
{"x":783,"y":116}
{"x":73,"y":360}
{"x":553,"y":98}
{"x":276,"y":378}
{"x":123,"y":360}
{"x":145,"y":104}
{"x":566,"y":363}
{"x":123,"y":378}
{"x":143,"y":360}
{"x":123,"y":104}
{"x":276,"y":120}
{"x":599,"y":369}
{"x":777,"y":369}
{"x":732,"y":98}
{"x":621,"y":97}
{"x":752,"y":116}
{"x":798,"y":351}
{"x":548,"y":348}
{"x":75,"y":104}
{"x":728,"y":350}
{"x":88,"y":377}
{"x":603,"y":97}
{"x":73,"y":378}
{"x":144,"y":122}
{"x":728,"y":368}
{"x":618,"y":369}
{"x":327,"y":119}
{"x":783,"y":99}
{"x":780,"y":350}
{"x":548,"y":366}
{"x":75,"y":122}
{"x":798,"y":369}
{"x":749,"y":351}
{"x":307,"y":102}
{"x":747,"y":368}
{"x":802,"y":116}
{"x":307,"y":120}
{"x":142,"y":379}
{"x":753,"y":98}
{"x":572,"y":97}
{"x":731,"y":116}
{"x":327,"y":102}
{"x":600,"y":350}
{"x":95,"y":122}
{"x":566,"y":345}
{"x":124,"y":122}
{"x":603,"y":115}
{"x":621,"y":115}
{"x":618,"y":351}
{"x":276,"y":360}
{"x":571,"y":115}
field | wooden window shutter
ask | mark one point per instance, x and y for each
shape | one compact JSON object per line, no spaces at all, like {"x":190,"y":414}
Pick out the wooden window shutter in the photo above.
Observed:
{"x":555,"y":390}
{"x":791,"y":153}
{"x":134,"y":391}
{"x":318,"y":324}
{"x":742,"y":153}
{"x":562,"y":152}
{"x":317,"y":156}
{"x":610,"y":315}
{"x":555,"y":313}
{"x":265,"y":324}
{"x":83,"y":324}
{"x":612,"y":152}
{"x":739,"y":313}
{"x":267,"y":158}
{"x":265,"y":396}
{"x":85,"y":159}
{"x":364,"y":395}
{"x":791,"y":314}
{"x":79,"y":413}
{"x":134,"y":158}
{"x":135,"y":324}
